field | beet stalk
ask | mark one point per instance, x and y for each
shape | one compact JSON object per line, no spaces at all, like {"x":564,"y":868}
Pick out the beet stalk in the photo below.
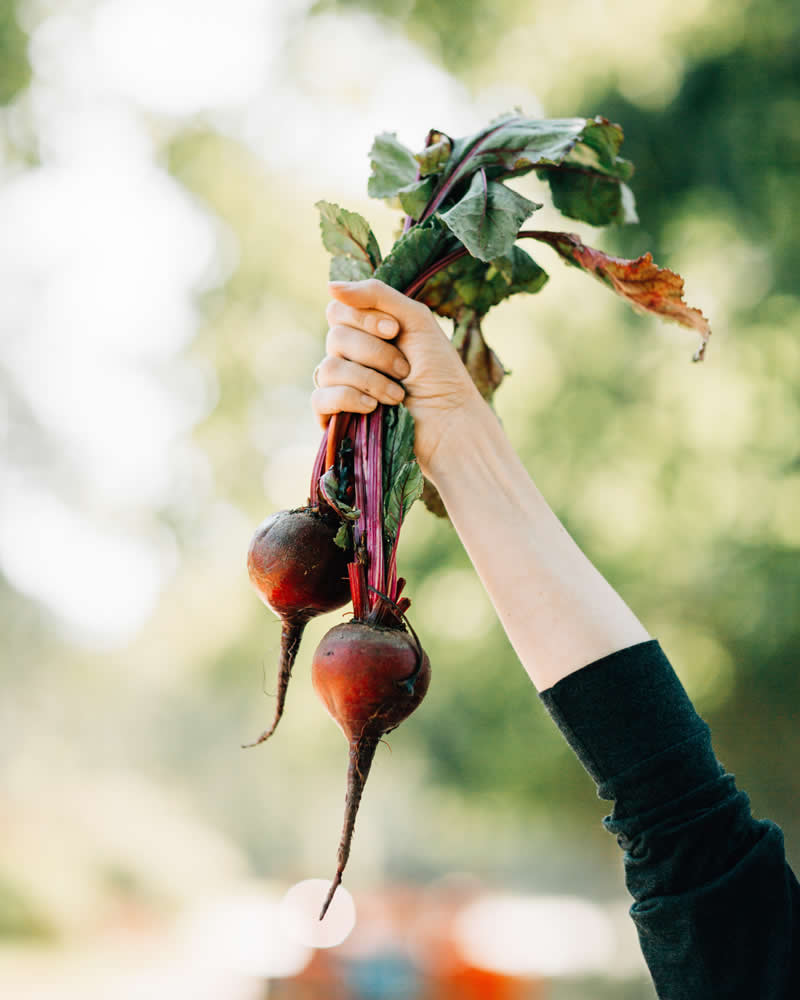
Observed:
{"x":371,"y":673}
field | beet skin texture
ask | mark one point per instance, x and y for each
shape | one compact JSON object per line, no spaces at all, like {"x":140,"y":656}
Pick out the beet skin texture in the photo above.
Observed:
{"x":299,"y":573}
{"x":370,"y":679}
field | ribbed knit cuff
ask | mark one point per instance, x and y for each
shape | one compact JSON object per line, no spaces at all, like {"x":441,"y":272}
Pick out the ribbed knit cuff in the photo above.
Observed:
{"x":626,"y":710}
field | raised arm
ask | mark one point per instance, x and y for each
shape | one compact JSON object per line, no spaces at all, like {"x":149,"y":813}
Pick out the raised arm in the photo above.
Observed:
{"x":557,"y":610}
{"x":715,"y":903}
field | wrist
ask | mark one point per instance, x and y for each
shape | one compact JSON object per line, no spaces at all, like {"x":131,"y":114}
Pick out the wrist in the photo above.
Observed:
{"x":461,"y":429}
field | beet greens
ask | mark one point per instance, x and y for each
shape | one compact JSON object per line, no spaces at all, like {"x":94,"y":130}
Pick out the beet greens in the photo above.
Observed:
{"x":458,"y":250}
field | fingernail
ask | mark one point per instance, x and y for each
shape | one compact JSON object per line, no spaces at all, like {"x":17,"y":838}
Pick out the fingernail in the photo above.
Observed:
{"x":387,"y":326}
{"x":338,"y":284}
{"x":400,"y":368}
{"x":394,"y":391}
{"x":368,"y":401}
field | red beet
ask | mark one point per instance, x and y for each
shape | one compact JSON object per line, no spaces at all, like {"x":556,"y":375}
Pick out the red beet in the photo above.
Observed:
{"x":370,"y":679}
{"x":299,"y":573}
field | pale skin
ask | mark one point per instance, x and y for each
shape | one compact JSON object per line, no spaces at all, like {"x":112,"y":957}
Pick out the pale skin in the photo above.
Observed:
{"x":558,"y":611}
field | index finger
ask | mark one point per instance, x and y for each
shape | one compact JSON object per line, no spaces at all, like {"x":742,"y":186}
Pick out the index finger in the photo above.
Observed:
{"x":374,"y":294}
{"x":380,"y":324}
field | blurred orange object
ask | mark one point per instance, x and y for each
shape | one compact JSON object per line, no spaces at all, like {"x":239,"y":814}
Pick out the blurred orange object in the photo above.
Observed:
{"x":466,"y":982}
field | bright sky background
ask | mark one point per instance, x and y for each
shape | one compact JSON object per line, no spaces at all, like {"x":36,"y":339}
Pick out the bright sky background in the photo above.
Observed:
{"x":102,"y":254}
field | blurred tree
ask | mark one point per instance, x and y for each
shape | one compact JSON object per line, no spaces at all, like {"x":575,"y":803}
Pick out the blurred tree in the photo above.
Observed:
{"x":721,"y":157}
{"x":456,"y":34}
{"x":682,"y":483}
{"x":15,"y":71}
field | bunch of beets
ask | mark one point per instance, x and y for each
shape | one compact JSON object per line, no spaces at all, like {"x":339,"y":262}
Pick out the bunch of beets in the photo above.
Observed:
{"x":457,"y":253}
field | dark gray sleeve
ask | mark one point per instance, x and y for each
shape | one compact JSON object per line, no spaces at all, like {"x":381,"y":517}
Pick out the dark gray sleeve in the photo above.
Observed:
{"x":716,"y":906}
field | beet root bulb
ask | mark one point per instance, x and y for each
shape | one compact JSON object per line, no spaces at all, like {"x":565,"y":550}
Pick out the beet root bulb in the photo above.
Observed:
{"x":299,"y":573}
{"x":370,"y":679}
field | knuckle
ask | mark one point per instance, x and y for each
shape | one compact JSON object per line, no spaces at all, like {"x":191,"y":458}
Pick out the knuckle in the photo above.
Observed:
{"x":330,"y":312}
{"x":353,"y":400}
{"x":374,"y":383}
{"x":325,"y":366}
{"x":337,"y":336}
{"x":320,"y":402}
{"x":420,"y":308}
{"x":388,"y":356}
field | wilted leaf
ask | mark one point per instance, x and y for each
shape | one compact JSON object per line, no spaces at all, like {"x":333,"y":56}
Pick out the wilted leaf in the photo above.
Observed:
{"x":485,"y":368}
{"x":432,"y":500}
{"x":488,"y":217}
{"x":393,"y":166}
{"x":435,"y":155}
{"x":645,"y":286}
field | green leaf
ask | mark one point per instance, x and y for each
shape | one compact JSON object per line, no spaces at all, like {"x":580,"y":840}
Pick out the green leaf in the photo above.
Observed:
{"x":526,"y":275}
{"x":413,"y":252}
{"x":398,"y":440}
{"x":393,"y":166}
{"x":344,"y":536}
{"x":347,"y":234}
{"x":415,"y":197}
{"x":516,"y":144}
{"x":488,"y":217}
{"x":406,"y":488}
{"x":597,"y":150}
{"x":402,"y":479}
{"x":584,"y":149}
{"x":473,"y":284}
{"x":588,"y":197}
{"x":329,"y":487}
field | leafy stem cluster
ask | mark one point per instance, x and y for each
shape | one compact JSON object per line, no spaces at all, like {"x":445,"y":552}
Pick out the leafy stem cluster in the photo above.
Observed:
{"x":458,"y":252}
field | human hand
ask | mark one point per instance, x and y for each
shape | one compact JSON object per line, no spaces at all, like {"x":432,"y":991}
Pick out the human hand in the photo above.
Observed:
{"x":375,"y":332}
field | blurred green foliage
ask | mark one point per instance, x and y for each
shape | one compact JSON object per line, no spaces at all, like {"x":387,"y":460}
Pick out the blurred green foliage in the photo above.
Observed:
{"x":717,"y":163}
{"x":681,"y":482}
{"x":15,"y":71}
{"x":456,"y":34}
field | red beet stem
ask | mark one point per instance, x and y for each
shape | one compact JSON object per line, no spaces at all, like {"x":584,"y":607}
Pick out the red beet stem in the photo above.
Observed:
{"x":291,"y":634}
{"x":362,"y":753}
{"x":359,"y":474}
{"x":330,"y":453}
{"x":319,"y":468}
{"x":358,"y":590}
{"x":373,"y":516}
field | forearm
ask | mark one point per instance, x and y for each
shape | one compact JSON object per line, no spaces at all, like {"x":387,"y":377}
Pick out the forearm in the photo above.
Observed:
{"x":557,"y":610}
